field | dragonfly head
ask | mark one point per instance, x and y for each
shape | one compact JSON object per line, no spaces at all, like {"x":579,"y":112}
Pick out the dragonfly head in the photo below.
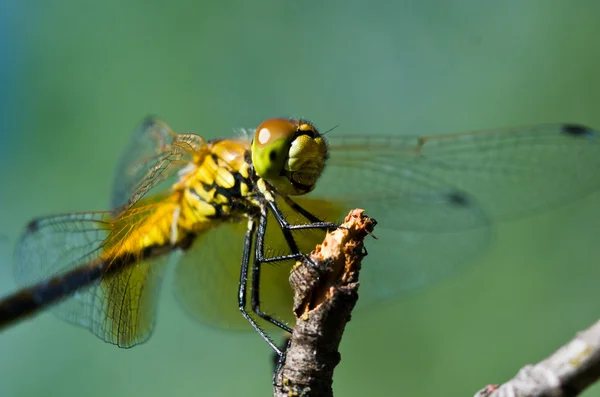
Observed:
{"x":289,"y":154}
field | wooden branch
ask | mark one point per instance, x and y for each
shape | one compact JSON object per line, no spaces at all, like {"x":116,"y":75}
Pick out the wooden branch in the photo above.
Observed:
{"x":325,"y":292}
{"x":566,"y":373}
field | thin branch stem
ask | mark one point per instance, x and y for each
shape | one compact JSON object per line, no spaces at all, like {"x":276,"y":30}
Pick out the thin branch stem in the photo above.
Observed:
{"x":566,"y":373}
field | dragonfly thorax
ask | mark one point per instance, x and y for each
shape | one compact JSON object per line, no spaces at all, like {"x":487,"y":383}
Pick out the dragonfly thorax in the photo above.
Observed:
{"x":217,"y":186}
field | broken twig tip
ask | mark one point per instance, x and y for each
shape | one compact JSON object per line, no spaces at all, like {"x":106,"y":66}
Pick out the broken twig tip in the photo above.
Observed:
{"x":325,"y":292}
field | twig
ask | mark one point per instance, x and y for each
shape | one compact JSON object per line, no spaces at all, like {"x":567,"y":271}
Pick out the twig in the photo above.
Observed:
{"x":566,"y":373}
{"x":326,"y":291}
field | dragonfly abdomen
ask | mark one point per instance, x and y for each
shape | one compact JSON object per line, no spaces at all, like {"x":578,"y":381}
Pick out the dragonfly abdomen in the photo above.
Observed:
{"x":30,"y":300}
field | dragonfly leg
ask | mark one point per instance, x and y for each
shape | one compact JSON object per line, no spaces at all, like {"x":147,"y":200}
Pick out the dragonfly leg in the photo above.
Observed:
{"x":258,"y":260}
{"x":286,"y":229}
{"x":305,"y":213}
{"x":316,"y":223}
{"x":244,"y":284}
{"x":280,"y":360}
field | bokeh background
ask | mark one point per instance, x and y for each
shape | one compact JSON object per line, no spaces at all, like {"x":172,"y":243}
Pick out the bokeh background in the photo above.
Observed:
{"x":77,"y":76}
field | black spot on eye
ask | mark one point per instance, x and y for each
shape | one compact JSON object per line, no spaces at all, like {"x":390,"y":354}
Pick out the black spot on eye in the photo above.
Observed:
{"x":577,"y":130}
{"x":458,"y":199}
{"x":272,"y":155}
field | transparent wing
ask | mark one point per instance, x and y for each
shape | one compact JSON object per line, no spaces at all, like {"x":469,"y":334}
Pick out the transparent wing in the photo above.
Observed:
{"x":434,"y":197}
{"x":120,"y":307}
{"x":207,"y":276}
{"x":154,"y":154}
{"x":453,"y":182}
{"x":52,"y":245}
{"x":400,"y":262}
{"x":123,"y":305}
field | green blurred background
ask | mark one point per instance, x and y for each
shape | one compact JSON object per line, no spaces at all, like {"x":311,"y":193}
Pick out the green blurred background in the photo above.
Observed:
{"x":77,"y":76}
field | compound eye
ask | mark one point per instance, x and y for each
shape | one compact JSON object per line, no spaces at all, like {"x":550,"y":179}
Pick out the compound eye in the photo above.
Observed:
{"x":289,"y":154}
{"x":271,"y":145}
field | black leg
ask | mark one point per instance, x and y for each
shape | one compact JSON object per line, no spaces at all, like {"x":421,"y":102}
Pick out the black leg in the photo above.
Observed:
{"x":298,"y":208}
{"x":285,"y":225}
{"x":284,"y":345}
{"x":286,"y":229}
{"x":244,"y":283}
{"x":280,"y":360}
{"x":258,"y":260}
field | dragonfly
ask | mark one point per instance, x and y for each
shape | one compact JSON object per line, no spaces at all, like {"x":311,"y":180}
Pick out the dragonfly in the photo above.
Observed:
{"x":232,"y":215}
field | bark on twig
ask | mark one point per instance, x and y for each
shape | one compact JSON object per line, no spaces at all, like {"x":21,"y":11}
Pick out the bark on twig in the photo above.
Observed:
{"x":566,"y":373}
{"x":326,"y":291}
